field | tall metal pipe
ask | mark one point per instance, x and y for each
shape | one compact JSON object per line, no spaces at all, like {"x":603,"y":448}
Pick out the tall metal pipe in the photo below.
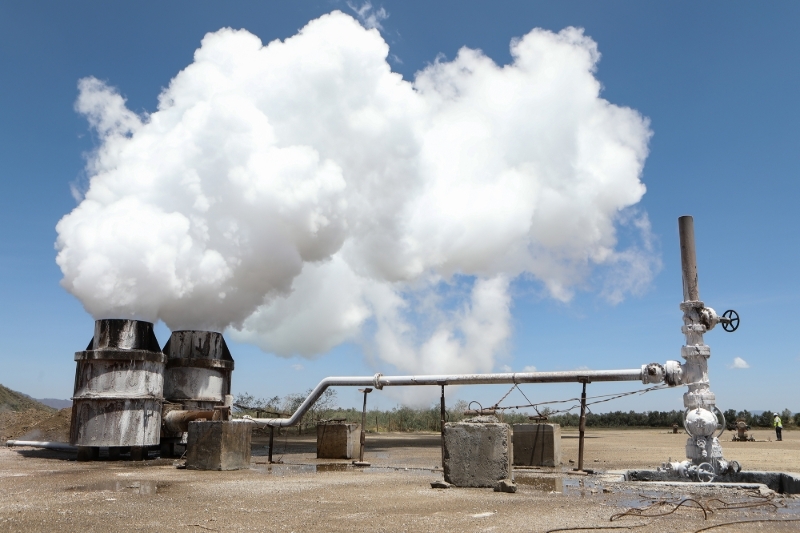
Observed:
{"x":645,"y":374}
{"x":691,"y":286}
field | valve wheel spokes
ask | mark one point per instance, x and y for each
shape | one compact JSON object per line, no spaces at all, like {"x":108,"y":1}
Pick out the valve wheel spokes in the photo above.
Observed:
{"x":733,"y":320}
{"x":705,"y":473}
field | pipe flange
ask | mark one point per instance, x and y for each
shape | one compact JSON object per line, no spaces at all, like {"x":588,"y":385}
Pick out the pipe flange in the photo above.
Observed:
{"x":652,"y":373}
{"x":697,"y":329}
{"x":673,"y":373}
{"x":696,"y":350}
{"x":691,"y":304}
{"x":376,"y":380}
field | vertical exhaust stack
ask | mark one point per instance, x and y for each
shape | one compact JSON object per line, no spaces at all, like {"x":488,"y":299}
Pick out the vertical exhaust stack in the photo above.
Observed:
{"x":118,"y":388}
{"x":197,"y":379}
{"x":198,"y":371}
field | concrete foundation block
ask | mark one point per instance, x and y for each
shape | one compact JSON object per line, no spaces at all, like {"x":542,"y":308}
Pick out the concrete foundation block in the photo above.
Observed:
{"x":537,"y":444}
{"x":337,"y":440}
{"x":477,"y":452}
{"x":218,"y":445}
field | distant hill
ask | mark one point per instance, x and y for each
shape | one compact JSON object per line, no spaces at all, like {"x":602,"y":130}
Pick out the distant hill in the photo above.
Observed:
{"x":11,"y":400}
{"x":55,"y":403}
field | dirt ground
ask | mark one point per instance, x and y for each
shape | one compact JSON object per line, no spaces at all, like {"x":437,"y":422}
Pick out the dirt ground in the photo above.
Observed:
{"x":48,"y":491}
{"x":35,"y":424}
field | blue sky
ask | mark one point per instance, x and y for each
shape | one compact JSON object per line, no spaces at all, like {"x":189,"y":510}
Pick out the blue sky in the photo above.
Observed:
{"x":718,"y":82}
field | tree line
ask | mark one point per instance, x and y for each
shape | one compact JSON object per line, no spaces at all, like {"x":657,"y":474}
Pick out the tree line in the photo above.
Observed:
{"x":402,"y":418}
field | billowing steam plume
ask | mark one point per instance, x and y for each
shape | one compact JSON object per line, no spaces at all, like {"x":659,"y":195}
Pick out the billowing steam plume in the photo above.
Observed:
{"x":301,"y":194}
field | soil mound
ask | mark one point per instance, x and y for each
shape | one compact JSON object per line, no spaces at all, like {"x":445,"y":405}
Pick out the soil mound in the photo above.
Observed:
{"x":11,"y":400}
{"x":35,"y":424}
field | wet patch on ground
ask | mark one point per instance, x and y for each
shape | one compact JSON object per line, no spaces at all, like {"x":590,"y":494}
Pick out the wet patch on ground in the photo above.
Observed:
{"x":127,"y":486}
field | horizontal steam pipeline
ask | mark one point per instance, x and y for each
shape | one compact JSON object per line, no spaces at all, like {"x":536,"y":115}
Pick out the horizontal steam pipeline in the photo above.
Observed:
{"x":652,"y":373}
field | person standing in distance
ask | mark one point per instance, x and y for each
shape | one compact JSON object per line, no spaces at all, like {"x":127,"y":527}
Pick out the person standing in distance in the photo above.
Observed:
{"x":776,"y":423}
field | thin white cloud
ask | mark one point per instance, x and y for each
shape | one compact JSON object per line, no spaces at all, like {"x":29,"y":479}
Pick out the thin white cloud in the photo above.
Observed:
{"x":369,"y":18}
{"x":298,"y":367}
{"x":76,"y":192}
{"x":738,"y":362}
{"x":529,"y":368}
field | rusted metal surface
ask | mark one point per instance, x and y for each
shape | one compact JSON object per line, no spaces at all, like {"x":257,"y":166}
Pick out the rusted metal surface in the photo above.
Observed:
{"x":118,"y":387}
{"x":363,"y":437}
{"x":691,"y":285}
{"x":198,"y":371}
{"x":177,"y":421}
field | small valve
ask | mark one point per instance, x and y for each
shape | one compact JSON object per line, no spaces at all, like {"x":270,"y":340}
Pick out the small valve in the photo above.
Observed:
{"x":730,"y":320}
{"x":705,"y":473}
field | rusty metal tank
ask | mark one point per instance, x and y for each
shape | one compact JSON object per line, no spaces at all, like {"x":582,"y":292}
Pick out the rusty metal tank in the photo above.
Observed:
{"x":119,"y":382}
{"x":198,"y":369}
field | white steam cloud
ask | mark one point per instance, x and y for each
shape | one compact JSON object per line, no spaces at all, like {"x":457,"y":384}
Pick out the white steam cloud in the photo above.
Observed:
{"x":302,"y":195}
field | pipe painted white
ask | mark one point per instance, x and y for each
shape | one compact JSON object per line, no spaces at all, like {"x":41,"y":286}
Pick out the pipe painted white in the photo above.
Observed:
{"x":61,"y":446}
{"x":379,"y":381}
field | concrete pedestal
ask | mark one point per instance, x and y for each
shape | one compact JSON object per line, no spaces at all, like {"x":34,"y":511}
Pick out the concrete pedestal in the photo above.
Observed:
{"x":337,"y":440}
{"x":218,"y":445}
{"x":537,"y":444}
{"x":477,"y":452}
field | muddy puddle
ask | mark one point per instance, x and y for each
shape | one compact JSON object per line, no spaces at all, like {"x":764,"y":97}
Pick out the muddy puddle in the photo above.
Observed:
{"x":565,"y":485}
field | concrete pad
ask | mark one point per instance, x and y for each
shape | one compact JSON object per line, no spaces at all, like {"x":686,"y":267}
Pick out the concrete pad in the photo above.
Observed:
{"x":537,"y":444}
{"x":337,"y":440}
{"x":477,"y":452}
{"x":218,"y":445}
{"x":780,"y":482}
